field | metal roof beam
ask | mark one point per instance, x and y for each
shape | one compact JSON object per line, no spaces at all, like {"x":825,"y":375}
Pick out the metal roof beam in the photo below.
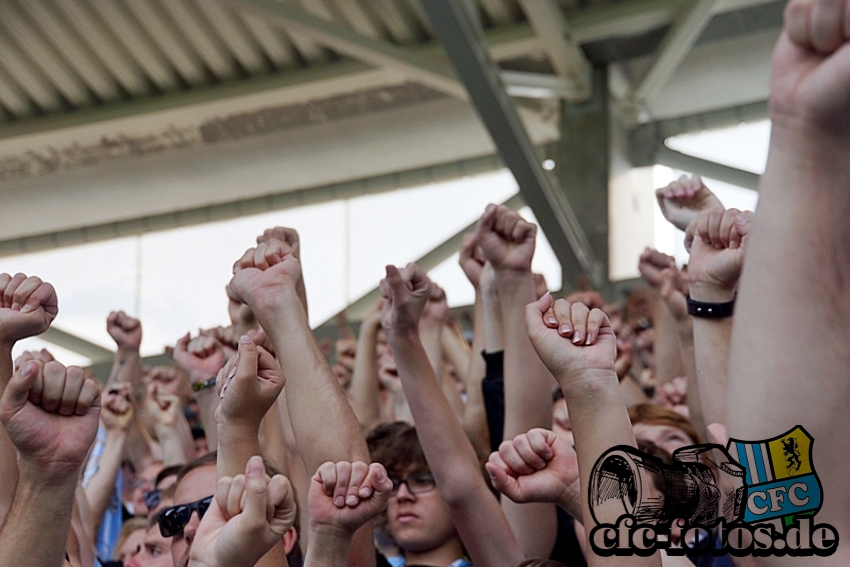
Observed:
{"x":706,"y":168}
{"x":689,"y":24}
{"x":351,"y":44}
{"x":540,"y":189}
{"x":81,"y":346}
{"x":564,"y":52}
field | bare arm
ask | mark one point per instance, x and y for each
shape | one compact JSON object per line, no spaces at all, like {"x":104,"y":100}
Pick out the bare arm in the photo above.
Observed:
{"x":364,"y":379}
{"x":266,"y":279}
{"x":476,"y":514}
{"x":717,"y":242}
{"x":116,"y":416}
{"x":585,"y":371}
{"x":508,"y":243}
{"x":27,"y":308}
{"x":668,"y":359}
{"x":52,"y":442}
{"x":126,"y":331}
{"x":790,"y":333}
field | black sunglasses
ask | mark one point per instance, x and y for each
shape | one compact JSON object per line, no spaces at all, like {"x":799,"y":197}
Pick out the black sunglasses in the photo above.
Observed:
{"x":152,"y":498}
{"x":172,"y":521}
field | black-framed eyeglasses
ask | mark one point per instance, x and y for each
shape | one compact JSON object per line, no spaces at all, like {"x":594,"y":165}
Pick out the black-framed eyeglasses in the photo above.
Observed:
{"x":152,"y":498}
{"x":172,"y":521}
{"x":416,"y":483}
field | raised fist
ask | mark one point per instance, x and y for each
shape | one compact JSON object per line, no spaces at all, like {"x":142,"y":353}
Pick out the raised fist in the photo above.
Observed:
{"x":405,"y":294}
{"x":117,"y":411}
{"x":506,"y":239}
{"x":347,"y":495}
{"x":248,"y":385}
{"x":537,"y":466}
{"x":471,"y":259}
{"x":287,"y":236}
{"x":811,"y":71}
{"x":126,"y":331}
{"x":650,"y":265}
{"x":260,"y":276}
{"x":27,"y":307}
{"x":248,"y":516}
{"x":51,"y":414}
{"x":717,"y":242}
{"x":200,"y":362}
{"x":683,"y":199}
{"x":570,"y":338}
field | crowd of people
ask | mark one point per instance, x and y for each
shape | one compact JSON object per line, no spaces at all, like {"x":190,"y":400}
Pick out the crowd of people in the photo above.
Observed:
{"x":420,"y":442}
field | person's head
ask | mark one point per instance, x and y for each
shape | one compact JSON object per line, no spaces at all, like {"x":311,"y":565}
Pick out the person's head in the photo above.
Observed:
{"x":155,"y":550}
{"x":666,"y":429}
{"x":417,"y":517}
{"x":130,"y":539}
{"x":142,"y":482}
{"x":196,"y":486}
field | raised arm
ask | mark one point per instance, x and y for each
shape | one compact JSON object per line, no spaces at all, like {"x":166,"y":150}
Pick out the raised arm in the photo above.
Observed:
{"x":789,"y":357}
{"x":51,"y":415}
{"x":249,"y":515}
{"x":667,"y":352}
{"x":266,"y":278}
{"x":717,"y":241}
{"x":578,"y":345}
{"x":508,"y":241}
{"x":27,"y":308}
{"x":366,"y":490}
{"x":201,"y":366}
{"x":248,"y":386}
{"x":126,"y":331}
{"x":116,"y":417}
{"x":476,"y":514}
{"x":364,"y":378}
{"x":682,"y":200}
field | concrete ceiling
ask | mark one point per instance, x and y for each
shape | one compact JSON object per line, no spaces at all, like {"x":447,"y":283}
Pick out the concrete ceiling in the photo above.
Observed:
{"x":121,"y":117}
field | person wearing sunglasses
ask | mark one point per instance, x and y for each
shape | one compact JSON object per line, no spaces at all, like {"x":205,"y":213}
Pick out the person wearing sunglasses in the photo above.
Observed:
{"x":196,"y":486}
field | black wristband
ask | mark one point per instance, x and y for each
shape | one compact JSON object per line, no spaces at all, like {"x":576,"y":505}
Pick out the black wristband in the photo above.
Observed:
{"x":204,"y":384}
{"x":709,"y":310}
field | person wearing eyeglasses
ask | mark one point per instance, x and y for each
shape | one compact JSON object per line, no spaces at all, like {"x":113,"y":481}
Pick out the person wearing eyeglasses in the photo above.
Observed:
{"x":417,"y":518}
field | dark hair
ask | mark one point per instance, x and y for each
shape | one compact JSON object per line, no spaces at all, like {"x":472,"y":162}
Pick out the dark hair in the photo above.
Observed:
{"x":167,"y":472}
{"x":396,"y":446}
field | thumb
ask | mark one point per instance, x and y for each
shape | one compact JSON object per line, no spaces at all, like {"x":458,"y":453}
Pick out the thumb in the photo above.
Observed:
{"x":500,"y":479}
{"x":395,"y":282}
{"x":256,"y":490}
{"x":18,"y":390}
{"x":246,"y":365}
{"x":381,"y":483}
{"x":534,"y":312}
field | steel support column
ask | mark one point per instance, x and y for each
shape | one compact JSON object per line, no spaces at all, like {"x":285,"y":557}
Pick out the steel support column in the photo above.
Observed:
{"x":539,"y":188}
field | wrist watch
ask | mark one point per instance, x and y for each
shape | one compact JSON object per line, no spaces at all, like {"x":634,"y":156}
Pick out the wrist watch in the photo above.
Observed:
{"x":709,"y":310}
{"x":203,"y":384}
